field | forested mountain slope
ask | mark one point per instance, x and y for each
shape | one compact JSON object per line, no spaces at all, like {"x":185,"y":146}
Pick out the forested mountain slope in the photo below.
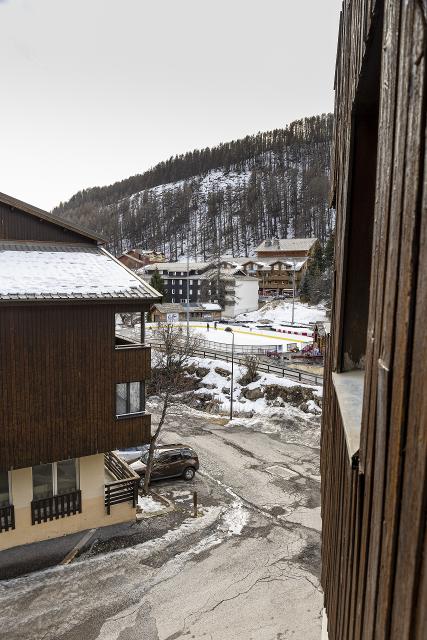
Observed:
{"x":269,"y":184}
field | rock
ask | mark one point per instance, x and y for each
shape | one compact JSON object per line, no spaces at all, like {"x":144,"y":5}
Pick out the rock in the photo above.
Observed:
{"x":310,"y":407}
{"x":207,"y":385}
{"x":253,"y":394}
{"x":278,"y":402}
{"x":226,"y":390}
{"x":201,"y":372}
{"x":295,"y":395}
{"x":222,"y":372}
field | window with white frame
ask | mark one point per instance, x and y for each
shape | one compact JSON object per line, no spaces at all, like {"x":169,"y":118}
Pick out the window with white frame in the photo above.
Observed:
{"x":173,"y":291}
{"x":180,"y":291}
{"x":130,"y":398}
{"x":180,"y":282}
{"x":198,"y":292}
{"x":55,"y":479}
{"x":191,"y":292}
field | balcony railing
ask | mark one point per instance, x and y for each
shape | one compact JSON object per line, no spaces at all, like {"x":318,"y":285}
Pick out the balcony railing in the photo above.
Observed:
{"x":56,"y":507}
{"x":7,"y":518}
{"x":125,"y":487}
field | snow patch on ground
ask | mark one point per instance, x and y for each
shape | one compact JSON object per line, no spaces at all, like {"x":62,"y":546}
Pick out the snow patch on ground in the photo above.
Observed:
{"x":236,"y":518}
{"x":280,"y":311}
{"x":148,"y":504}
{"x":218,"y":387}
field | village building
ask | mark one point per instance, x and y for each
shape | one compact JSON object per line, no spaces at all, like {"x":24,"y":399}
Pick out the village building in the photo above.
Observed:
{"x":72,"y":386}
{"x":137,"y":258}
{"x":374,"y":425}
{"x":276,"y":276}
{"x":177,"y":280}
{"x":286,"y":248}
{"x":175,"y":312}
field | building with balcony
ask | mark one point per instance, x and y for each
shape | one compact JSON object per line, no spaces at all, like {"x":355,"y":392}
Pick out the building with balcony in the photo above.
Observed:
{"x":180,"y":284}
{"x":72,"y":377}
{"x":374,"y":426}
{"x":276,"y":276}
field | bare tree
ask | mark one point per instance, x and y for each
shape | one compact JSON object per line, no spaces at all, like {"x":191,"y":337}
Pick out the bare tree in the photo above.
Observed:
{"x":169,"y":377}
{"x":251,"y":374}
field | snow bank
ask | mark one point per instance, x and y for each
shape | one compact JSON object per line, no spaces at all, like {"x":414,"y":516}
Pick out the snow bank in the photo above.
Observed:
{"x":280,"y":311}
{"x":216,"y":384}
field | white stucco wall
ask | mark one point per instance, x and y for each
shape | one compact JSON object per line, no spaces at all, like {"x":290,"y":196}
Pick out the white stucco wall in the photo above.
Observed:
{"x":246,"y":296}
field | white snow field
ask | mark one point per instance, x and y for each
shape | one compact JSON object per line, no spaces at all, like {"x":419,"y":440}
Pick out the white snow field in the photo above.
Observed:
{"x":280,"y":311}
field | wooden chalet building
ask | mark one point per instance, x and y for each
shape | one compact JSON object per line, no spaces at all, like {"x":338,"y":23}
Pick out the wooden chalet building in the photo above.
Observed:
{"x":374,"y":431}
{"x":72,"y":377}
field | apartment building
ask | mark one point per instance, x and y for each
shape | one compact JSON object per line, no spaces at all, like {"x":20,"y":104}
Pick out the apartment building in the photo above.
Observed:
{"x":72,"y":381}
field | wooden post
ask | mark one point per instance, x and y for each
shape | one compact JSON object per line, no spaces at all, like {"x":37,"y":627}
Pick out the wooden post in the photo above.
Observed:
{"x":194,"y":504}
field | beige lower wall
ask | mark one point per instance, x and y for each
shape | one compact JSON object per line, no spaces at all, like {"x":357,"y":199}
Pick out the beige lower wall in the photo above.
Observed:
{"x":93,"y":512}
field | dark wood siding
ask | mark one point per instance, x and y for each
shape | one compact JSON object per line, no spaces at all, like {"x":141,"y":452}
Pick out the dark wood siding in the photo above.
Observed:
{"x":19,"y":225}
{"x":58,"y":374}
{"x":374,"y":545}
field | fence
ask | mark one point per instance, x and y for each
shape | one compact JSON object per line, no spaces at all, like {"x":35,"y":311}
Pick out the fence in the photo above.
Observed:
{"x":208,"y":351}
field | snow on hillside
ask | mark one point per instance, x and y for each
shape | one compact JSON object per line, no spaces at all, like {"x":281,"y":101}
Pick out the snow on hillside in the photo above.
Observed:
{"x":279,"y":311}
{"x":215,"y":180}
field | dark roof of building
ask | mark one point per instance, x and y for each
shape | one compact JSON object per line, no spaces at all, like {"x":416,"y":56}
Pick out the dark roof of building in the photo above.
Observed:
{"x":44,"y":215}
{"x":47,"y":271}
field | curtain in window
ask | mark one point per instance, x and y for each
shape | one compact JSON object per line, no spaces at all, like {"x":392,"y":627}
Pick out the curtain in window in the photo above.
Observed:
{"x":66,"y":477}
{"x":121,"y":399}
{"x":4,"y":488}
{"x":42,"y":481}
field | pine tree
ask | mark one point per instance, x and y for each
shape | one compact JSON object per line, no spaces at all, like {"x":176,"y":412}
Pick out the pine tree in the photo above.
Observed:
{"x":157,"y":283}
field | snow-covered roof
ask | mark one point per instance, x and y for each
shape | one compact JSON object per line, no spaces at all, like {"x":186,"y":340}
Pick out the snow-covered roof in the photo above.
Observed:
{"x":176,"y":307}
{"x":211,"y":306}
{"x":177,"y":266}
{"x":286,"y":244}
{"x":44,"y":271}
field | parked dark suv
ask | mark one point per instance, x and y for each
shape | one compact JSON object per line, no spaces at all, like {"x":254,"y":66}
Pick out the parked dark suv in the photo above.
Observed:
{"x":170,"y":461}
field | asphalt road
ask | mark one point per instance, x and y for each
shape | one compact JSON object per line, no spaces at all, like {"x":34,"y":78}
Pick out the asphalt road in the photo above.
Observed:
{"x":246,"y":569}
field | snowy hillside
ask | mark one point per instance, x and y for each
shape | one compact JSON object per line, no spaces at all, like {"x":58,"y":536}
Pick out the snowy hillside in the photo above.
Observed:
{"x":228,"y":198}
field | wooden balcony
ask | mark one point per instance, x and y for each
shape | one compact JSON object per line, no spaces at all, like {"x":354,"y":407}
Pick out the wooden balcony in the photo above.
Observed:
{"x":7,"y":518}
{"x":124,"y":485}
{"x":56,"y":507}
{"x":132,"y":360}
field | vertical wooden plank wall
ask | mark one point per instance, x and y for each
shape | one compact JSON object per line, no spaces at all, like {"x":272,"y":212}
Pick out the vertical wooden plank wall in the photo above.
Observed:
{"x":374,"y":545}
{"x":58,"y":374}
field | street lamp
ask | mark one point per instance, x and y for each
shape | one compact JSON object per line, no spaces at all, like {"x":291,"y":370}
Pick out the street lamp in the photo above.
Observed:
{"x":230,"y":330}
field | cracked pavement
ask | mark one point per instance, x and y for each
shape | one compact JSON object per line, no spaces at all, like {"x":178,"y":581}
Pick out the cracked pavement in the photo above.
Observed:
{"x":247,"y":569}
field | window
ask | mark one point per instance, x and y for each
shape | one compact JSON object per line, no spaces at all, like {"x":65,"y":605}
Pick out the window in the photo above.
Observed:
{"x":42,"y":481}
{"x":180,"y":291}
{"x":66,"y":477}
{"x":173,"y":291}
{"x":4,"y":488}
{"x":180,"y":282}
{"x":173,"y":299}
{"x":129,"y":329}
{"x":130,"y":398}
{"x":55,"y":479}
{"x":191,"y":282}
{"x":198,"y":292}
{"x":173,"y":281}
{"x":191,"y":292}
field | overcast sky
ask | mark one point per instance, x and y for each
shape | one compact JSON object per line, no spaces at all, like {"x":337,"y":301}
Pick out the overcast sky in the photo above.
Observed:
{"x":94,"y":91}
